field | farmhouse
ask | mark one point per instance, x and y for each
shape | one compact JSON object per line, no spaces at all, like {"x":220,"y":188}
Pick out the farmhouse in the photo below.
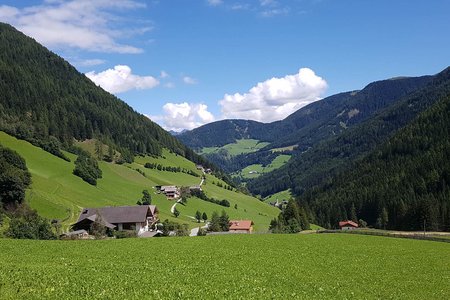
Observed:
{"x":170,"y":191}
{"x":140,"y":217}
{"x":241,"y":226}
{"x":348,"y":225}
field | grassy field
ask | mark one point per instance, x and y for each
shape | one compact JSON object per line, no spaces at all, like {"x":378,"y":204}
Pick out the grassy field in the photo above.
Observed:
{"x":241,"y":146}
{"x":256,"y":170}
{"x":315,"y":266}
{"x":58,"y":194}
{"x":280,"y":196}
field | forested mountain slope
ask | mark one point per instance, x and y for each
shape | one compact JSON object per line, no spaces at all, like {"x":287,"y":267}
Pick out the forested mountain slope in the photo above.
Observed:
{"x":305,"y":128}
{"x":325,"y":159}
{"x":46,"y":101}
{"x":311,"y":123}
{"x":403,"y":184}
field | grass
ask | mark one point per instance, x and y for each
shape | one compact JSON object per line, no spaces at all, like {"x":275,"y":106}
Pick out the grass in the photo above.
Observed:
{"x":280,"y":196}
{"x":58,"y":194}
{"x":256,"y":170}
{"x":315,"y":266}
{"x":287,"y":148}
{"x":240,"y":147}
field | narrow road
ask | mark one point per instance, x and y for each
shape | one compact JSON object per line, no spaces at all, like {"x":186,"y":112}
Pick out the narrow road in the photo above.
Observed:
{"x":172,"y":209}
{"x":194,"y":231}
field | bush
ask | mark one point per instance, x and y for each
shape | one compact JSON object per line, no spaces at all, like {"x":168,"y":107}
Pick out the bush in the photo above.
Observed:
{"x":125,"y":234}
{"x":27,"y":224}
{"x":87,"y":168}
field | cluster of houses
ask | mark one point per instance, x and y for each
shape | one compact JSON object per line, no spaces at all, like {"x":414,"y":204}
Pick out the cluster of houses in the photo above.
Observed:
{"x":279,"y":204}
{"x":174,"y":192}
{"x":201,"y":168}
{"x":142,"y":219}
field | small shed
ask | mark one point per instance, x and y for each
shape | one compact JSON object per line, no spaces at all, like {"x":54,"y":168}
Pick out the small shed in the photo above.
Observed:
{"x":348,"y":225}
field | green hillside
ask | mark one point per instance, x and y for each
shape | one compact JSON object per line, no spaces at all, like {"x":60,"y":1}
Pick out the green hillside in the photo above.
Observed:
{"x":239,"y":147}
{"x":57,"y":194}
{"x":403,"y":184}
{"x":256,"y":170}
{"x":46,"y":101}
{"x":314,"y":266}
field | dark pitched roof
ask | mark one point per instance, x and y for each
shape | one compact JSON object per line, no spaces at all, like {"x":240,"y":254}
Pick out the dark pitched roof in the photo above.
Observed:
{"x":119,"y":214}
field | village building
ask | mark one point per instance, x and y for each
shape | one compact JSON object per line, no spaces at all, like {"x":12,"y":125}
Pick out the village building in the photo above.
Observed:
{"x":348,"y":225}
{"x":195,"y":188}
{"x":170,"y":191}
{"x":140,"y":218}
{"x":241,"y":226}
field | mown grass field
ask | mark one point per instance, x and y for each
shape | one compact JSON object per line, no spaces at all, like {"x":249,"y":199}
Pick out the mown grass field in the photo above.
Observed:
{"x":58,"y":194}
{"x":315,"y":266}
{"x":240,"y":147}
{"x":278,"y":162}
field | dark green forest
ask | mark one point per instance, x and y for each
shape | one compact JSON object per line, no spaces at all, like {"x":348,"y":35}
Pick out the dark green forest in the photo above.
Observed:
{"x":407,"y":178}
{"x":321,"y":162}
{"x":44,"y":100}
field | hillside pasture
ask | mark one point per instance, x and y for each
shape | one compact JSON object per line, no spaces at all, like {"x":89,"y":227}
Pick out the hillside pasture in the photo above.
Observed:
{"x":255,"y":170}
{"x":58,"y":194}
{"x":240,"y":147}
{"x":314,"y":266}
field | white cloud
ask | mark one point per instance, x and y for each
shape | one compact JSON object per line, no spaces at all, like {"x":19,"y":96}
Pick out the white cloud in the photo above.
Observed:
{"x":275,"y":98}
{"x":80,"y":24}
{"x":90,"y":62}
{"x":179,"y":116}
{"x":120,"y":79}
{"x":214,"y":2}
{"x":189,"y":80}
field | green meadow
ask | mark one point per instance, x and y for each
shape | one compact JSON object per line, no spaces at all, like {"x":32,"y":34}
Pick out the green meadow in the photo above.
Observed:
{"x":240,"y":147}
{"x":256,"y":170}
{"x":58,"y":194}
{"x":280,"y":196}
{"x":309,"y":266}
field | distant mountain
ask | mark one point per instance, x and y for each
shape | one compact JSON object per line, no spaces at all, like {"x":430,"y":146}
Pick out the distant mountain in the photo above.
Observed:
{"x":315,"y":130}
{"x":46,"y":101}
{"x":220,"y":133}
{"x":175,"y":133}
{"x":403,"y":183}
{"x":337,"y":153}
{"x":310,"y":124}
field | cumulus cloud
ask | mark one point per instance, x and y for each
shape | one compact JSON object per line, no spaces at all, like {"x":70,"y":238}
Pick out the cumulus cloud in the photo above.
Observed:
{"x":179,"y":116}
{"x":189,"y":80}
{"x":120,"y":79}
{"x":80,"y":24}
{"x":275,"y":98}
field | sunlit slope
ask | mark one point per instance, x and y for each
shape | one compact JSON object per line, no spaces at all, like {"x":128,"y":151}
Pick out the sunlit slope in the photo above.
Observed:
{"x":58,"y":194}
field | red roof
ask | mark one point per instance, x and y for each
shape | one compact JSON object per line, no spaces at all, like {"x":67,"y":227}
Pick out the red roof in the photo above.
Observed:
{"x":348,"y":223}
{"x":240,"y":225}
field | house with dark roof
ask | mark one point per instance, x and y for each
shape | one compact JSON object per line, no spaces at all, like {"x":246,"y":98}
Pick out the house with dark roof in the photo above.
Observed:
{"x":348,"y":225}
{"x":170,"y":191}
{"x":140,"y":218}
{"x":241,"y":226}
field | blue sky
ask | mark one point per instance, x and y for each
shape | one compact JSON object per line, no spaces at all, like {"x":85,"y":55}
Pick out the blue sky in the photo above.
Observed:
{"x":184,"y":63}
